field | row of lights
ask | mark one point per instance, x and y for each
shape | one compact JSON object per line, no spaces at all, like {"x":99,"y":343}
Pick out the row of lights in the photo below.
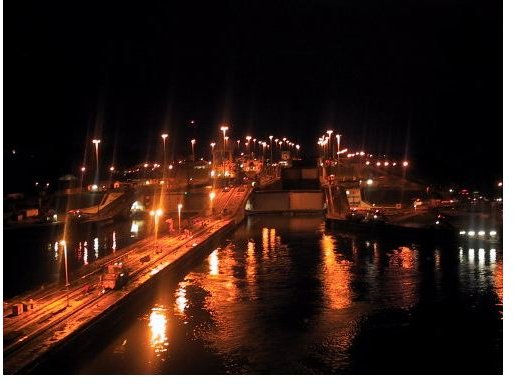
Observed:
{"x":386,"y":163}
{"x":481,"y":233}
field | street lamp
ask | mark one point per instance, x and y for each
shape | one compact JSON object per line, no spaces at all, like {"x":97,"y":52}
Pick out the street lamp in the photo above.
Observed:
{"x":193,"y":141}
{"x":156,"y":214}
{"x":96,"y":142}
{"x":179,"y":206}
{"x":224,"y":130}
{"x":164,"y":136}
{"x":82,"y":171}
{"x":271,"y":147}
{"x":63,"y":243}
{"x":329,"y":132}
{"x":212,"y":195}
{"x":338,"y":137}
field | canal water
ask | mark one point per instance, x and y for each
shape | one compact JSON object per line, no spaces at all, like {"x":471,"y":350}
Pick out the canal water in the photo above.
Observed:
{"x":33,"y":256}
{"x":283,"y":295}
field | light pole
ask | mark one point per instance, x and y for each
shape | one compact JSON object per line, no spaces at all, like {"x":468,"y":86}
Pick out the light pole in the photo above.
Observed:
{"x":329,"y":132}
{"x":82,"y":171}
{"x":96,"y":142}
{"x":156,"y":214}
{"x":212,"y":195}
{"x":164,"y":136}
{"x":271,"y":148}
{"x":63,"y":243}
{"x":254,"y":140}
{"x":238,"y":145}
{"x":193,"y":141}
{"x":338,"y":137}
{"x":213,"y":171}
{"x":224,"y":137}
{"x":179,"y":206}
{"x":247,"y":144}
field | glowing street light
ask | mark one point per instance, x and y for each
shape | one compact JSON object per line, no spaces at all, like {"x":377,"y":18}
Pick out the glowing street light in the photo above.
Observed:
{"x":193,"y":141}
{"x":329,"y":132}
{"x":271,"y":147}
{"x":96,"y":142}
{"x":179,"y":206}
{"x":156,"y":214}
{"x":82,"y":171}
{"x":405,"y":164}
{"x":164,"y":136}
{"x":212,"y":195}
{"x":224,"y":137}
{"x":338,"y":137}
{"x":63,"y":243}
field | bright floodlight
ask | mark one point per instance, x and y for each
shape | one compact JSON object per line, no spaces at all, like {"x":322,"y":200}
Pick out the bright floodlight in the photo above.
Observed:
{"x":164,"y":136}
{"x":224,"y":128}
{"x":96,"y":141}
{"x":369,"y":182}
{"x":405,"y":164}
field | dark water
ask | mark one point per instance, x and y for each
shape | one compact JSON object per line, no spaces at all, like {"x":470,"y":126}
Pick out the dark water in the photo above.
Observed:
{"x":283,"y":295}
{"x":32,"y":257}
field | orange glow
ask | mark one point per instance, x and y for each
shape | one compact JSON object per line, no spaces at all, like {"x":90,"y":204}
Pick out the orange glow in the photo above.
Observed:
{"x":214,"y":263}
{"x":337,"y":275}
{"x":404,"y":257}
{"x":157,"y":325}
{"x":181,"y":300}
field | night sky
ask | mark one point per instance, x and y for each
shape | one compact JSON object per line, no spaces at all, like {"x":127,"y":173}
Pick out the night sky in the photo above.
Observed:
{"x":421,"y":78}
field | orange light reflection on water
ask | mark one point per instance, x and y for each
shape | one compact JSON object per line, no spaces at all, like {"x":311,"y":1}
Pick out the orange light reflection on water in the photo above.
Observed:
{"x":181,"y":300}
{"x":337,"y":275}
{"x":214,"y":263}
{"x":157,"y":323}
